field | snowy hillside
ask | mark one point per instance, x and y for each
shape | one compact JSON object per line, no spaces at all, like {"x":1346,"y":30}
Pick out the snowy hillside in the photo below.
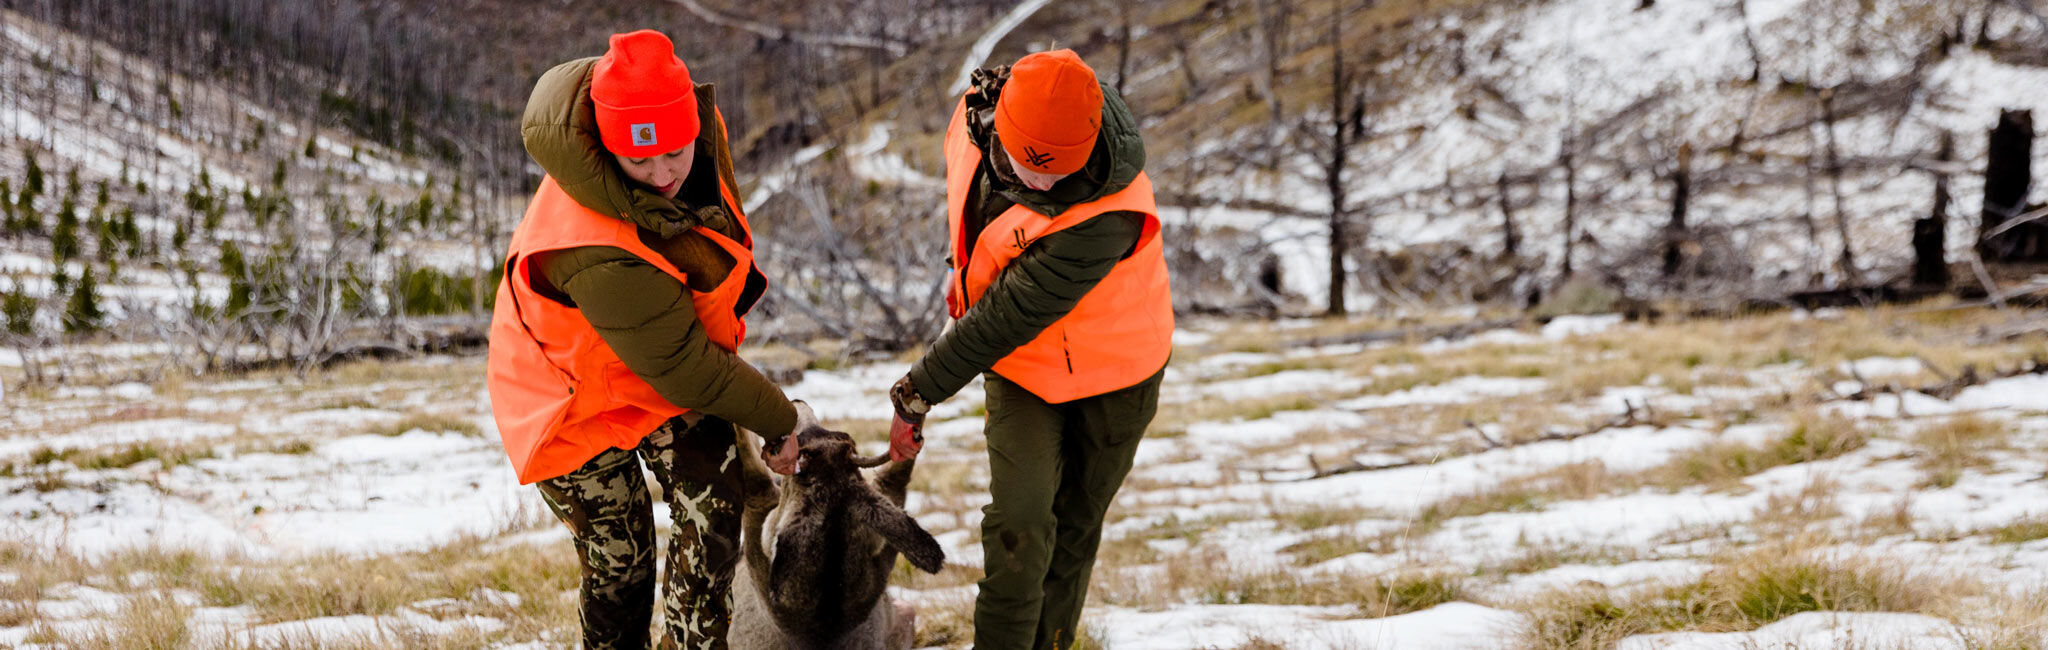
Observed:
{"x":1695,"y":485}
{"x":119,"y":142}
{"x":1466,"y":101}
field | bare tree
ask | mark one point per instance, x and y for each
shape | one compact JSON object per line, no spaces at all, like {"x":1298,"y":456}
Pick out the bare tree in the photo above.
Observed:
{"x":2008,"y":179}
{"x":855,"y":264}
{"x":1331,"y":138}
{"x":1568,"y":159}
{"x":1510,"y":233}
{"x":1930,"y":233}
{"x":1675,"y":231}
{"x":1846,"y":263}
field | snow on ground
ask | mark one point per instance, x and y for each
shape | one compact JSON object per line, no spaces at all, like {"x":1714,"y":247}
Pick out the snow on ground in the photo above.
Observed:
{"x":977,"y":56}
{"x":1818,"y":630}
{"x":1447,"y":626}
{"x":278,"y":470}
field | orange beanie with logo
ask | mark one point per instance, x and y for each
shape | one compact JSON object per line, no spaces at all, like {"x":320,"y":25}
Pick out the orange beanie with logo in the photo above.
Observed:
{"x":1050,"y":112}
{"x":646,"y":105}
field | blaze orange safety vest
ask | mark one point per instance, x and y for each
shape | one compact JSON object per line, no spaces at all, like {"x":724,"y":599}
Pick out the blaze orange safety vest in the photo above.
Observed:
{"x":1119,"y":334}
{"x":561,"y":396}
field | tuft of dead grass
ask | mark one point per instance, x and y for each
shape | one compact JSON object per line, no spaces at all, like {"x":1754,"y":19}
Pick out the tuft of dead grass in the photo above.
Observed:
{"x":1958,"y":444}
{"x":150,"y":622}
{"x":120,"y":457}
{"x":1549,"y":557}
{"x":945,"y":621}
{"x":430,"y":422}
{"x":1813,"y":436}
{"x":1794,"y":512}
{"x":1744,"y":592}
{"x":2022,"y":531}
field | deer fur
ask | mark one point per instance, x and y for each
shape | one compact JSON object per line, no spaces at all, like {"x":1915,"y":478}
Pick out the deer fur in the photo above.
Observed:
{"x":836,"y":533}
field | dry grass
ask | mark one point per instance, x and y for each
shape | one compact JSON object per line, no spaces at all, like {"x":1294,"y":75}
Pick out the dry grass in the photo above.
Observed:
{"x":1587,"y":619}
{"x":1260,"y":336}
{"x":1958,"y":444}
{"x":1791,"y":513}
{"x":1723,"y":465}
{"x":461,"y":372}
{"x":1575,"y":481}
{"x":305,"y":588}
{"x":1747,"y":590}
{"x":1898,"y":520}
{"x":1329,"y":546}
{"x":430,"y":422}
{"x":2010,"y":620}
{"x":945,"y":621}
{"x":170,"y":455}
{"x":273,"y":445}
{"x":1181,"y":416}
{"x":2022,"y":531}
{"x":1209,"y":575}
{"x":150,"y":622}
{"x":1545,"y":558}
{"x":1313,"y":516}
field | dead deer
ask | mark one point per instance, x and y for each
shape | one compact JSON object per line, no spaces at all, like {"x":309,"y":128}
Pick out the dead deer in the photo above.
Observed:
{"x":836,"y":534}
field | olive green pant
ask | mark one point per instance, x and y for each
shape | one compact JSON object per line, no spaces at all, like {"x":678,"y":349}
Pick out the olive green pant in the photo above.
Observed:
{"x":1053,"y":470}
{"x":608,"y":510}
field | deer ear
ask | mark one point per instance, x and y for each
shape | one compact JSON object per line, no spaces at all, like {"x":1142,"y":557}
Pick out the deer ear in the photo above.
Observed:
{"x":805,"y":418}
{"x":900,"y":532}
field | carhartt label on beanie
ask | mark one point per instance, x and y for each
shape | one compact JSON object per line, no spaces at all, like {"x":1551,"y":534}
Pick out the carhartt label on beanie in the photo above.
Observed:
{"x":646,"y":105}
{"x":1050,"y":112}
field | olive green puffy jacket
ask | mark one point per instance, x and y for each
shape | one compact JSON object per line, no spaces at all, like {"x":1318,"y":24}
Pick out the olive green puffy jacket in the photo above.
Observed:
{"x":1052,"y":275}
{"x":641,"y":312}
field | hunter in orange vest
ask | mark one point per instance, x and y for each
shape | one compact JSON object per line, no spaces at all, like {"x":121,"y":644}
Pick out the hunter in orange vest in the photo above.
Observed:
{"x":614,"y":335}
{"x":1059,"y":287}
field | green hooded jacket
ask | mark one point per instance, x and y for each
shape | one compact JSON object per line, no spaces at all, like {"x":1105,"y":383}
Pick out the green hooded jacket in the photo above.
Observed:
{"x":641,"y":312}
{"x":1052,"y":275}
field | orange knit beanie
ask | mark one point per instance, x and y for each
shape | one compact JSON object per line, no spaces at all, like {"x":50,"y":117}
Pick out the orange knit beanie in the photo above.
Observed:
{"x":1050,"y":112}
{"x":646,"y":105}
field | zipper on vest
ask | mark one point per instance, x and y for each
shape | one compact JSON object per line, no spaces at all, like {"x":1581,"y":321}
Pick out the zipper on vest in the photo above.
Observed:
{"x":1067,"y":350}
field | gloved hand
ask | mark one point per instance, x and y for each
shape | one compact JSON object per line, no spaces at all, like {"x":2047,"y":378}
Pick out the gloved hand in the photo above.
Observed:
{"x":906,"y":432}
{"x":784,"y":460}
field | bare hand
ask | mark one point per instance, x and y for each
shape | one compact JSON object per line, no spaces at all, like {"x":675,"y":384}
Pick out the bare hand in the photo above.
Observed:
{"x":785,"y":461}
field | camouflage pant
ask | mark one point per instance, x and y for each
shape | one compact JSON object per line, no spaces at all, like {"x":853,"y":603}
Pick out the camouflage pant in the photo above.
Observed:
{"x":607,"y":506}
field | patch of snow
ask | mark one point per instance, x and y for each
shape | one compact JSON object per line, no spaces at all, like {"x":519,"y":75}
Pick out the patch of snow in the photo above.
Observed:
{"x":1187,"y":337}
{"x":394,"y":629}
{"x":1457,"y":391}
{"x":1568,"y":326}
{"x":1285,"y":382}
{"x":1281,"y":427}
{"x":1606,"y":576}
{"x":1818,"y":630}
{"x":2023,"y":393}
{"x":978,"y":53}
{"x":870,"y":161}
{"x":1868,"y":367}
{"x":1447,"y":626}
{"x":1891,"y":406}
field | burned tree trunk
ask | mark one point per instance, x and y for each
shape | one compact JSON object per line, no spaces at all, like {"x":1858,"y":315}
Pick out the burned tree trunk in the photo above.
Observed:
{"x":1846,"y":264}
{"x":1930,"y":233}
{"x":1571,"y":205}
{"x":1675,"y":236}
{"x":2008,"y":175}
{"x":1342,"y":134}
{"x":1511,"y":236}
{"x":1123,"y":46}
